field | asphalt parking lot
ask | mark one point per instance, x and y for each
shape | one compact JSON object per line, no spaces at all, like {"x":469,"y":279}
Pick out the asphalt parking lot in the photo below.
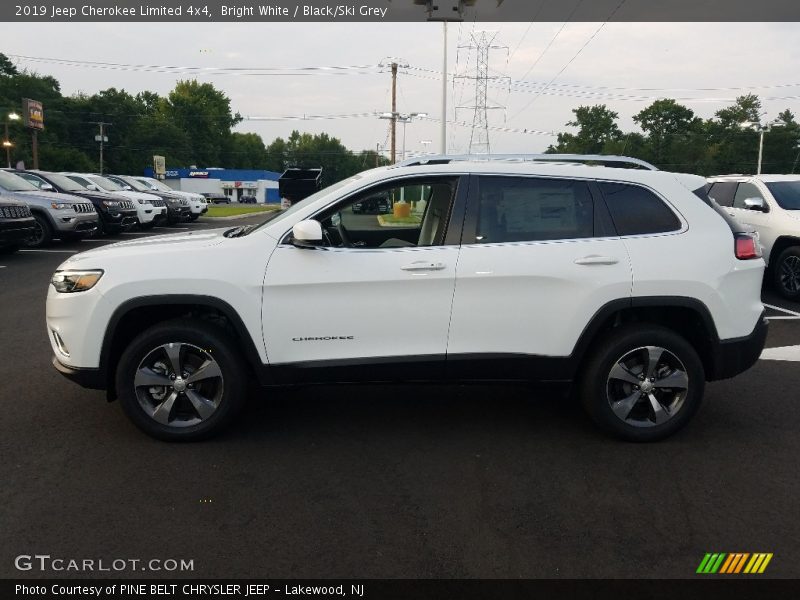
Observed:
{"x":390,"y":481}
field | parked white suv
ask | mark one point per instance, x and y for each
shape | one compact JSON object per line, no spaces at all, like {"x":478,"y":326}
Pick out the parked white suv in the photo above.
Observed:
{"x":771,"y":205}
{"x":630,"y":283}
{"x":197,"y":202}
{"x":146,"y":210}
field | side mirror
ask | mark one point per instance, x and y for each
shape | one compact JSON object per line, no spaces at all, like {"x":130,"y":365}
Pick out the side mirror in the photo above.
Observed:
{"x":46,"y":187}
{"x":307,"y":234}
{"x":93,"y":187}
{"x":756,"y":204}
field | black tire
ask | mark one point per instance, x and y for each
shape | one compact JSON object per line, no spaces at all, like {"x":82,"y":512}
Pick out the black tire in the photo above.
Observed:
{"x":200,"y":341}
{"x":194,"y":217}
{"x":147,"y":226}
{"x":599,"y":388}
{"x":42,"y":234}
{"x":786,"y":273}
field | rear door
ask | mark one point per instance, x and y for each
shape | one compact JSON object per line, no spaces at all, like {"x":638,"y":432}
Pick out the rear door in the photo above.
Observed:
{"x":539,"y":258}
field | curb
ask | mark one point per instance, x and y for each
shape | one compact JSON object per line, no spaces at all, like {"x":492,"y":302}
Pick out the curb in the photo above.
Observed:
{"x":235,"y":217}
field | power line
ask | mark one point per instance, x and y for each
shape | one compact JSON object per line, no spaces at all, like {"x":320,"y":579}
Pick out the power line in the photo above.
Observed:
{"x":553,"y":39}
{"x":571,"y":60}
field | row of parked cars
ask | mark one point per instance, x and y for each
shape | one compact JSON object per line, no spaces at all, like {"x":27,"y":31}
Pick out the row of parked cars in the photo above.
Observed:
{"x":37,"y":206}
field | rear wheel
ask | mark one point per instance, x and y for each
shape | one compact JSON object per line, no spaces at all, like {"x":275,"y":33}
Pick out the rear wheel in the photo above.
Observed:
{"x":42,"y":233}
{"x":182,"y":380}
{"x":786,"y":273}
{"x":643,"y":383}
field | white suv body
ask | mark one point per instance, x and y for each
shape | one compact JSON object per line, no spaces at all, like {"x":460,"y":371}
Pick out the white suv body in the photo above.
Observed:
{"x":513,"y":270}
{"x":197,"y":202}
{"x":771,"y":205}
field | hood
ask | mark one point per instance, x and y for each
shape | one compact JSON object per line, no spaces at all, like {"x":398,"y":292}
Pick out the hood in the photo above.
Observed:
{"x":49,"y":197}
{"x":94,"y":196}
{"x":136,"y":195}
{"x":158,"y":244}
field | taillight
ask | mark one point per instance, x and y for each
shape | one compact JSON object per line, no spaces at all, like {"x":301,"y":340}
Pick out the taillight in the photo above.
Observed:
{"x":747,"y":246}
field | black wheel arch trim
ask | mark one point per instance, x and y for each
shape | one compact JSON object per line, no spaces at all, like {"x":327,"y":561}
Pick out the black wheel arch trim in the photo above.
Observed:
{"x":248,"y":347}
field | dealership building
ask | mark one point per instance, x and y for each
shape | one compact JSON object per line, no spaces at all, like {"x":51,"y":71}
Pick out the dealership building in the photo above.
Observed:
{"x":234,"y":183}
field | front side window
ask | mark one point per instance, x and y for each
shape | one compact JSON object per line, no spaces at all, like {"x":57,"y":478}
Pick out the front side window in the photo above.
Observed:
{"x":527,"y":209}
{"x":637,"y":211}
{"x":394,"y":215}
{"x":37,"y":181}
{"x":744,"y":192}
{"x":14,"y":183}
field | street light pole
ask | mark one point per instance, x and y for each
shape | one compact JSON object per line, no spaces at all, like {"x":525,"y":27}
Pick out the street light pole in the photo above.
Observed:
{"x":762,"y":129}
{"x":403,"y":118}
{"x":760,"y":150}
{"x":12,"y":116}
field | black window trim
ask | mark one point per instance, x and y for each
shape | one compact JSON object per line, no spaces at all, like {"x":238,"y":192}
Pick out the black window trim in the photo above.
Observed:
{"x":455,"y":216}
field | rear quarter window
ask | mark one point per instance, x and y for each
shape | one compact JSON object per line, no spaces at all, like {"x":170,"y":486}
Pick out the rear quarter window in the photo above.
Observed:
{"x":637,"y":211}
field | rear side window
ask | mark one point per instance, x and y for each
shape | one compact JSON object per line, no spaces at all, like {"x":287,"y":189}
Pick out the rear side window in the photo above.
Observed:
{"x":637,"y":211}
{"x":520,"y":209}
{"x":722,"y":192}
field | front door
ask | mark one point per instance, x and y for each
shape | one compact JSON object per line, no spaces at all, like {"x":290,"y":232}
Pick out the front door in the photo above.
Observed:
{"x":374,"y":302}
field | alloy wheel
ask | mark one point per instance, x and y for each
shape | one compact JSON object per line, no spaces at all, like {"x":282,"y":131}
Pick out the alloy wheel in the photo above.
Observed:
{"x":790,"y":274}
{"x":179,"y":384}
{"x":647,"y":386}
{"x":37,"y":236}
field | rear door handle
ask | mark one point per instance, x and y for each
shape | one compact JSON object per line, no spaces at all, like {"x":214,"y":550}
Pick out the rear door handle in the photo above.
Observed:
{"x":596,"y":260}
{"x":424,"y":266}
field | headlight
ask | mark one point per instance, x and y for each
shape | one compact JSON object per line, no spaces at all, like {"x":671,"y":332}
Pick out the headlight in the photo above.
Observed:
{"x":140,"y":201}
{"x":67,"y":282}
{"x":111,"y":203}
{"x":61,"y":205}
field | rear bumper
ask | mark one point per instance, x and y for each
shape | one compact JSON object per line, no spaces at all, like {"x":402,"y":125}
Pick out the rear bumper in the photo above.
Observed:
{"x":92,"y":379}
{"x":735,"y":356}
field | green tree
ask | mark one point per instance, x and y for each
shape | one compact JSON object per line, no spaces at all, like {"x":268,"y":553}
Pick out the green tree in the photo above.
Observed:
{"x":597,"y":127}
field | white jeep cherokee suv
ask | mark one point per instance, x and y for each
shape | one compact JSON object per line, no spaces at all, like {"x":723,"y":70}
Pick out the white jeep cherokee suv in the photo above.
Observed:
{"x":771,"y":205}
{"x":630,"y":283}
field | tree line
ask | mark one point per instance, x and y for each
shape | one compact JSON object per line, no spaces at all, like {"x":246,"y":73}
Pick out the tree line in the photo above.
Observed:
{"x":193,"y":125}
{"x":675,"y":139}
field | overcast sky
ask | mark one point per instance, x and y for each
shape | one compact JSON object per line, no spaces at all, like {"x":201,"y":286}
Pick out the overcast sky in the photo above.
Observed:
{"x":672,"y":60}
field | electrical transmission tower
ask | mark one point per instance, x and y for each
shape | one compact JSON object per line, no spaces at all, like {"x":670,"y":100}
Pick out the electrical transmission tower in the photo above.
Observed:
{"x":483,"y":44}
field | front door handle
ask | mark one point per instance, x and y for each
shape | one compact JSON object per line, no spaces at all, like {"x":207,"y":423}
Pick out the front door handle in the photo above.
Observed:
{"x":424,"y":266}
{"x":596,"y":260}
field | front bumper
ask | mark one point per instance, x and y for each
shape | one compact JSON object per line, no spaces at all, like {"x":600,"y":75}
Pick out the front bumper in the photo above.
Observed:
{"x":84,"y":223}
{"x":92,"y":379}
{"x":16,"y":231}
{"x":735,"y":356}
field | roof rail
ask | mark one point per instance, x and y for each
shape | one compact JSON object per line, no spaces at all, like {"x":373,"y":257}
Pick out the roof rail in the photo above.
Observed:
{"x":602,"y":159}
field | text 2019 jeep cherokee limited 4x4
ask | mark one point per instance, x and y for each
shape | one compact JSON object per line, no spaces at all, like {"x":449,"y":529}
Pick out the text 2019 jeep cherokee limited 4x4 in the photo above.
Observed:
{"x":630,"y":283}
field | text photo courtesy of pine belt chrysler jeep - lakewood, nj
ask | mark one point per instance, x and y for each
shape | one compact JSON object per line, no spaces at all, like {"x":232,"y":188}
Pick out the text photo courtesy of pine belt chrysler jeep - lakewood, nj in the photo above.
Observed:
{"x":627,"y":283}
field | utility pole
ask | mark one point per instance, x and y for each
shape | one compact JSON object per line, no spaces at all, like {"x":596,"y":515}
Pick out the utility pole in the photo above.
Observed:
{"x":102,"y":139}
{"x":443,"y":132}
{"x":394,"y":112}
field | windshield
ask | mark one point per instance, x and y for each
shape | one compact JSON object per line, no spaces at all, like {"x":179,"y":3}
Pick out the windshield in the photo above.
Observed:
{"x":786,"y":193}
{"x":306,"y":201}
{"x":105,"y":183}
{"x":136,"y":184}
{"x":14,"y":183}
{"x":65,"y":183}
{"x":156,"y":184}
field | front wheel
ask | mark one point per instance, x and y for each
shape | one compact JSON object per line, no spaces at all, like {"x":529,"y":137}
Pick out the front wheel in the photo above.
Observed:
{"x":787,"y":273}
{"x":42,"y":233}
{"x":182,"y":380}
{"x":643,"y":383}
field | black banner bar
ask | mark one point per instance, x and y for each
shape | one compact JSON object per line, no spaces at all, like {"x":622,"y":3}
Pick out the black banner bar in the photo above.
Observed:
{"x":731,"y":588}
{"x":380,"y":11}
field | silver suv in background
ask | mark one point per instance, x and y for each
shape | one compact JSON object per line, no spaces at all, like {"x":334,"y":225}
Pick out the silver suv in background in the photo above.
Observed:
{"x":771,"y":205}
{"x":57,"y":215}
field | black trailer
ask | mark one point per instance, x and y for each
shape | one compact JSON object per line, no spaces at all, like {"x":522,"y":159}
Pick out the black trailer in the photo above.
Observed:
{"x":296,"y":184}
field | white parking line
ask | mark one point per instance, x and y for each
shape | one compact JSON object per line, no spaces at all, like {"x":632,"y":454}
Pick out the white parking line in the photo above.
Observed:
{"x":783,"y":310}
{"x":53,"y":251}
{"x":788,"y":353}
{"x":2,"y":266}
